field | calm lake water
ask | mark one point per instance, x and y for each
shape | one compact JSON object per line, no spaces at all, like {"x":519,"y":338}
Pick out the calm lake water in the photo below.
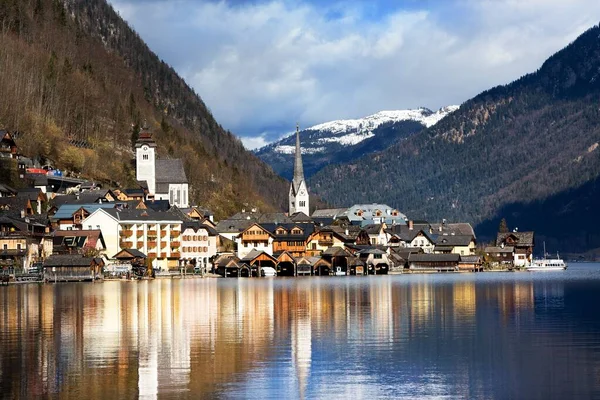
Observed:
{"x":486,"y":335}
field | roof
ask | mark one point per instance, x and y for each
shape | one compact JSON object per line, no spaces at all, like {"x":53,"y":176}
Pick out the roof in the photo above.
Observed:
{"x":158,"y":205}
{"x":141,"y":215}
{"x":66,"y":211}
{"x":169,"y":171}
{"x":515,"y":238}
{"x":78,"y":238}
{"x":470,"y":259}
{"x":499,"y":249}
{"x":129,"y":253}
{"x":6,"y":189}
{"x":197,"y":225}
{"x":372,"y":229}
{"x":68,"y":260}
{"x":434,"y":257}
{"x":82,"y":198}
{"x":301,"y":217}
{"x":454,"y":240}
{"x":372,"y":251}
{"x":459,"y":228}
{"x":336,"y":252}
{"x":224,"y":259}
{"x":328,"y":213}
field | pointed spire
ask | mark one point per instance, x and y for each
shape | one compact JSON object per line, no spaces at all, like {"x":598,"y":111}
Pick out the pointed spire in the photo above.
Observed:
{"x":298,"y":168}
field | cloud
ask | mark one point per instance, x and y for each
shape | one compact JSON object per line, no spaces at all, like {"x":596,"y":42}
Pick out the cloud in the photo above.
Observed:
{"x":254,"y":142}
{"x":265,"y":65}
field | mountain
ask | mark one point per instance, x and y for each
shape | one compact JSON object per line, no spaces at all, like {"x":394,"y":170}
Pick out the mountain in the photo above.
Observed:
{"x":343,"y":140}
{"x":518,"y":145}
{"x":73,"y":72}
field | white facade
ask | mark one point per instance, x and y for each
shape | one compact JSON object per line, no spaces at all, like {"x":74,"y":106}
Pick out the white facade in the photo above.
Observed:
{"x":145,"y":162}
{"x":423,"y":242}
{"x":298,"y":202}
{"x":177,"y":195}
{"x":243,"y":248}
{"x":109,"y":226}
{"x":198,"y":245}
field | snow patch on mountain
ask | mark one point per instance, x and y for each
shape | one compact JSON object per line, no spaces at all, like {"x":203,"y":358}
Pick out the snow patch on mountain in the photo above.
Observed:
{"x":350,"y":132}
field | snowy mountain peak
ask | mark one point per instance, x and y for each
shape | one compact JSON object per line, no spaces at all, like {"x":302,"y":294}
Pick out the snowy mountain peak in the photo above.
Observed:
{"x":349,"y":132}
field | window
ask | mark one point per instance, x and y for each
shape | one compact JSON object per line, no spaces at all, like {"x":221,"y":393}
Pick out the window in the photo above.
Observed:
{"x":378,"y":256}
{"x":373,"y":241}
{"x":5,"y":247}
{"x":302,"y":203}
{"x":18,"y":246}
{"x":145,"y":157}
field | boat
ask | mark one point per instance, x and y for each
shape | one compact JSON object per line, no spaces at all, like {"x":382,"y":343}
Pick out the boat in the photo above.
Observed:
{"x":547,"y":264}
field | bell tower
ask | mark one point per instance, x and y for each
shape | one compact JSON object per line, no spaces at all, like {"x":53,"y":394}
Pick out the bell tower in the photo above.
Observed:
{"x":298,"y":197}
{"x":145,"y":161}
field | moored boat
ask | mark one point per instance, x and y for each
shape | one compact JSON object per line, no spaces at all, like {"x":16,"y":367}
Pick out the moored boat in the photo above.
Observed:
{"x":550,"y":264}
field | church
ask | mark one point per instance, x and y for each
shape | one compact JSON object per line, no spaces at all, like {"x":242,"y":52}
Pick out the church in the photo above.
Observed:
{"x":164,"y":178}
{"x":298,"y":197}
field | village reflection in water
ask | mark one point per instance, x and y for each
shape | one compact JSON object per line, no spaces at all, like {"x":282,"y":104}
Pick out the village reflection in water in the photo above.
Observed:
{"x":211,"y":338}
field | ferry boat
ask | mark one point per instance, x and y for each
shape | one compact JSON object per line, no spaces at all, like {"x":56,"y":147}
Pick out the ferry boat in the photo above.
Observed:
{"x":547,"y":264}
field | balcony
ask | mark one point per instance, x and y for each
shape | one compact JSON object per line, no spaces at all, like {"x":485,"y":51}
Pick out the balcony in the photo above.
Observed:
{"x":175,"y":234}
{"x":126,"y":245}
{"x":140,"y":245}
{"x":326,"y":243}
{"x":175,"y":244}
{"x":151,"y":244}
{"x":175,"y":255}
{"x":126,"y":232}
{"x":139,"y":233}
{"x":151,"y":255}
{"x":163,"y":234}
{"x":152,"y":232}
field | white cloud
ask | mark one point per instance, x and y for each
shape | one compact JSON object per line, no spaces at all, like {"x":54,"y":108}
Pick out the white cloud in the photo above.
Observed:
{"x":270,"y":64}
{"x":254,"y":142}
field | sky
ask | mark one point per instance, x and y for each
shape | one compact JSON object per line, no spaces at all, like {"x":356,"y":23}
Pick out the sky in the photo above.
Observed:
{"x":262,"y":66}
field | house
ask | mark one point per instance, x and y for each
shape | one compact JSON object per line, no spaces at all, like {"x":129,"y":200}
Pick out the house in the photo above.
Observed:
{"x":291,"y":238}
{"x":8,"y":146}
{"x":71,"y":216}
{"x":227,"y":265}
{"x":156,"y":234}
{"x":165,"y":178}
{"x":367,"y":214}
{"x":456,"y":244}
{"x":18,"y":205}
{"x":500,"y":256}
{"x":374,"y":234}
{"x":522,"y":243}
{"x":324,"y":238}
{"x":36,"y":196}
{"x":377,"y":261}
{"x":413,"y":235}
{"x":433,"y":262}
{"x":470,"y":263}
{"x":72,"y":267}
{"x":198,"y":244}
{"x":7,"y":191}
{"x":78,"y":242}
{"x":254,"y":237}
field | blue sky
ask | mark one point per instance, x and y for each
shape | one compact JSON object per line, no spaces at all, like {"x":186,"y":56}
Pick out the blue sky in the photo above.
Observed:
{"x":263,"y":65}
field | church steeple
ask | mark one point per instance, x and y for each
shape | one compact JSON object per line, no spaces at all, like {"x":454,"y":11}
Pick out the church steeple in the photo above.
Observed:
{"x":298,"y":197}
{"x":298,"y":168}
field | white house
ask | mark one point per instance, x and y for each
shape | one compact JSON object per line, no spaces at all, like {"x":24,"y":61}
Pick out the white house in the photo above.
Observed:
{"x":255,"y":237}
{"x":156,"y":234}
{"x":198,"y":244}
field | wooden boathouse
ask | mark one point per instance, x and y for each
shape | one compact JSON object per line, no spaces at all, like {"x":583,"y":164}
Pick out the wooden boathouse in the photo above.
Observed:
{"x":72,"y":268}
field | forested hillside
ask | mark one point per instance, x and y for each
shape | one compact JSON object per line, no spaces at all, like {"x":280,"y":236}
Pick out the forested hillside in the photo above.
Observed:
{"x":516,"y":144}
{"x":73,"y":71}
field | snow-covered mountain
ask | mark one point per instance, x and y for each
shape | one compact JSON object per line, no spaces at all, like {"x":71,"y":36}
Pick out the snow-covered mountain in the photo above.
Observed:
{"x":342,"y":140}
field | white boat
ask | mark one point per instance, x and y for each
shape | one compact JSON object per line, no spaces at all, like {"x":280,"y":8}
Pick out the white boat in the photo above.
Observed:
{"x":547,"y":264}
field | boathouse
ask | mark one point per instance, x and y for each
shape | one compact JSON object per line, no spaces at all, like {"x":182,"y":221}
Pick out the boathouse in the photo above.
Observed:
{"x":72,"y":267}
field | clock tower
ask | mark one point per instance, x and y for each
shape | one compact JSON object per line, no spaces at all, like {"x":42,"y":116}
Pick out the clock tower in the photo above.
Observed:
{"x":298,"y":197}
{"x":145,"y":161}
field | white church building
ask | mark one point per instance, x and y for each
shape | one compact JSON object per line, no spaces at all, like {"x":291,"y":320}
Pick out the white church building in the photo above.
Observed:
{"x":165,"y":179}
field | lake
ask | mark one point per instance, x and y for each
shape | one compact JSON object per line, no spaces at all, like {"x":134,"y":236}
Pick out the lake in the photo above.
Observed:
{"x":478,"y":336}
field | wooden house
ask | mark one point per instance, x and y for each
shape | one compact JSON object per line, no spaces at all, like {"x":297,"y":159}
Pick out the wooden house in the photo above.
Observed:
{"x":72,"y":267}
{"x":522,"y":242}
{"x":291,"y":238}
{"x":254,"y":237}
{"x":8,"y":146}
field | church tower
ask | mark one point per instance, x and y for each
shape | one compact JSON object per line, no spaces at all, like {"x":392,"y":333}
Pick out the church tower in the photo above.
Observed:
{"x":298,"y":197}
{"x":145,"y":161}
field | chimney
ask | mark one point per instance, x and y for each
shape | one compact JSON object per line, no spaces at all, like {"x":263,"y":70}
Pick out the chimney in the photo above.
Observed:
{"x":411,"y":224}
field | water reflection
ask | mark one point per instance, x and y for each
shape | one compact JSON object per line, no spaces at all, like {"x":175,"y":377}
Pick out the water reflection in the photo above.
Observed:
{"x":476,"y":335}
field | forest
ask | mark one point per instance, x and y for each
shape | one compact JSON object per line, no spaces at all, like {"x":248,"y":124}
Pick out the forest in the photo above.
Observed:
{"x":77,"y":83}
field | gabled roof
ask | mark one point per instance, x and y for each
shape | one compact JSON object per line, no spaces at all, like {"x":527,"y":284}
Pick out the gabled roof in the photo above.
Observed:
{"x":66,"y":211}
{"x":373,"y":229}
{"x":256,"y":224}
{"x":126,"y":254}
{"x":329,"y":213}
{"x":158,"y":205}
{"x":32,"y":194}
{"x":254,"y":254}
{"x":197,"y":225}
{"x":68,"y":260}
{"x":78,"y":238}
{"x":454,"y":240}
{"x":425,"y":257}
{"x":336,"y":252}
{"x":170,"y":171}
{"x":7,"y":189}
{"x":515,"y":238}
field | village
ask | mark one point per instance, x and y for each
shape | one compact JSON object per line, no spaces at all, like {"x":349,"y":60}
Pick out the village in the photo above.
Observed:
{"x":62,"y":228}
